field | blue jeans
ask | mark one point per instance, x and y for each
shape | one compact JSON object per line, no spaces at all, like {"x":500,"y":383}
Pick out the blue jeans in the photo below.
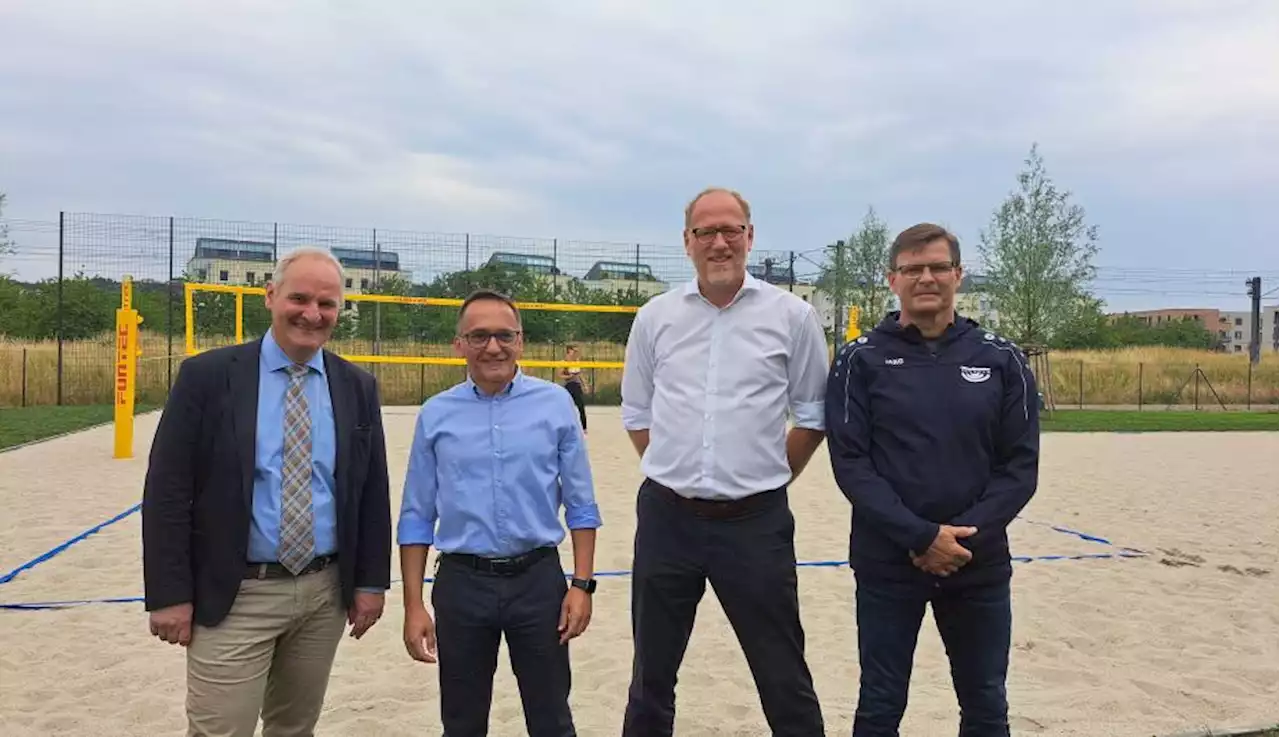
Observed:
{"x":975,"y":624}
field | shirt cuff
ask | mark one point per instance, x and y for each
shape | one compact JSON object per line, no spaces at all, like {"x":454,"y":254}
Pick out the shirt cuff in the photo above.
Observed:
{"x":371,"y":590}
{"x":809,"y":415}
{"x":414,"y":532}
{"x":636,"y":419}
{"x":586,"y":517}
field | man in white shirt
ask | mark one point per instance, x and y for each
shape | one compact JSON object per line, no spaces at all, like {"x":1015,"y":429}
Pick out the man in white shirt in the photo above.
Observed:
{"x":711,"y":370}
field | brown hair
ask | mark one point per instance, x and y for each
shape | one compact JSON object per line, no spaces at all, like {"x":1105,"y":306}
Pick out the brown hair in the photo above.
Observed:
{"x":742,"y":202}
{"x":490,"y":295}
{"x":920,"y":235}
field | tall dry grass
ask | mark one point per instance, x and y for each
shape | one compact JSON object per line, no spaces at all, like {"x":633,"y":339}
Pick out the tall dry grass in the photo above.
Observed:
{"x":1164,"y":376}
{"x":1096,"y":377}
{"x":88,"y":368}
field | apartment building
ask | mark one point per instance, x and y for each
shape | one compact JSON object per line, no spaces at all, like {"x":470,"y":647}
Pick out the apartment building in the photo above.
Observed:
{"x":608,"y":276}
{"x":1231,"y":327}
{"x":250,"y":263}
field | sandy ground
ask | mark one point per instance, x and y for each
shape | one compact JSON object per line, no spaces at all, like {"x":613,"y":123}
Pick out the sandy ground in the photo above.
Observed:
{"x":1183,"y":638}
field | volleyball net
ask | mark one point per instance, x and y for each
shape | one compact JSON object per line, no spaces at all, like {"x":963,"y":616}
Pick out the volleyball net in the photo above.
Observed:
{"x":405,"y":340}
{"x":346,"y":343}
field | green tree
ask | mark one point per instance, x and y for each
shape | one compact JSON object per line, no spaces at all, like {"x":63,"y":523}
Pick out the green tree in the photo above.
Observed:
{"x":1038,"y":256}
{"x":854,"y":275}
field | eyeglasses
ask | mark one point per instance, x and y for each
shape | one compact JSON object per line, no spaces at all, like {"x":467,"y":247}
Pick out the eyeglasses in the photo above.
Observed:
{"x":915,"y":271}
{"x":480,"y":338}
{"x":731,"y":233}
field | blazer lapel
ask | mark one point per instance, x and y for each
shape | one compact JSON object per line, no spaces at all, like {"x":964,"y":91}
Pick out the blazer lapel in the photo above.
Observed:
{"x":343,"y":420}
{"x":243,"y":385}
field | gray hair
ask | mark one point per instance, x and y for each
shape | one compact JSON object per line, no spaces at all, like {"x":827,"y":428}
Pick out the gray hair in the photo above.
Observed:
{"x":287,"y":260}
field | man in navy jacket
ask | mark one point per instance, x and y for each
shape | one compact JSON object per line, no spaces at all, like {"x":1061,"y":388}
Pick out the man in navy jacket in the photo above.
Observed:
{"x":933,"y":432}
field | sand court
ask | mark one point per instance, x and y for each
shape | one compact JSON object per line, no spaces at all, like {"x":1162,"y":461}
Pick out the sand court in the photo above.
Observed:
{"x":1145,"y":600}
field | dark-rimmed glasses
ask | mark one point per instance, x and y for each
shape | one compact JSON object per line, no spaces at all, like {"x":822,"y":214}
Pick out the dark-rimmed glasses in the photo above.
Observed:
{"x":731,"y":233}
{"x":481,"y":338}
{"x":939,"y":268}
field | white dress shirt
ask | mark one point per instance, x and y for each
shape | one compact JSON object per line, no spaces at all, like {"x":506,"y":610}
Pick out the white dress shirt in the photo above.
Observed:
{"x":713,"y":387}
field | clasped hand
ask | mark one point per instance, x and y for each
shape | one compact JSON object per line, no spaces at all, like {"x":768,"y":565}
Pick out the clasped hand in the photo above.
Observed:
{"x":945,"y":555}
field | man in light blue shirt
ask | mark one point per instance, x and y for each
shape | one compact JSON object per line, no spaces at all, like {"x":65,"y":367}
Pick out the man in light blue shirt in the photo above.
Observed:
{"x":492,"y":462}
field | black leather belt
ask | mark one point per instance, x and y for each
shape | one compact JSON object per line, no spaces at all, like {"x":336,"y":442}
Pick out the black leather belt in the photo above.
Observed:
{"x":719,"y":508}
{"x":275,"y":570}
{"x":511,"y":566}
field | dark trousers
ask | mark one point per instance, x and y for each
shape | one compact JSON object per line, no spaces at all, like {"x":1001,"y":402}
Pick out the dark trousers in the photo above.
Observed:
{"x":749,"y":558}
{"x":975,"y":624}
{"x":579,"y":399}
{"x":473,"y":610}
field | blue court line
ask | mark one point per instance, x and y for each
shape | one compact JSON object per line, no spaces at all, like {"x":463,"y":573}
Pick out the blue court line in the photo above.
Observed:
{"x":45,"y":605}
{"x":6,"y":578}
{"x":1086,"y":537}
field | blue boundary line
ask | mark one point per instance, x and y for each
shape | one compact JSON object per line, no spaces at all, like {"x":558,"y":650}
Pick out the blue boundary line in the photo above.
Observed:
{"x":48,"y":605}
{"x":6,"y":578}
{"x":1123,"y":552}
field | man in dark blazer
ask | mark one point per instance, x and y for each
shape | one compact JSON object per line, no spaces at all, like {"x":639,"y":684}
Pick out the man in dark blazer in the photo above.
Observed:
{"x":266,"y":520}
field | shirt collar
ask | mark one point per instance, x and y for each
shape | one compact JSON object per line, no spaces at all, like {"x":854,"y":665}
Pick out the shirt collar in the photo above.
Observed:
{"x":749,"y":284}
{"x":517,"y":383}
{"x":274,"y":358}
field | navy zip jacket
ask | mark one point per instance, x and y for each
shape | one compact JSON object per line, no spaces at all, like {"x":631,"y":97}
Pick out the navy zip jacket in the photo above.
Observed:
{"x":923,"y":433}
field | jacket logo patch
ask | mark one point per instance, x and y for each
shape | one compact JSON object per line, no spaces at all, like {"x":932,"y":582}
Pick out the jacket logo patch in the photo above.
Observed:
{"x":894,"y":361}
{"x":975,"y":374}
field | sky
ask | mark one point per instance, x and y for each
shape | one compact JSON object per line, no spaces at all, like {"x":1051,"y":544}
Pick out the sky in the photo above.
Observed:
{"x":594,"y":120}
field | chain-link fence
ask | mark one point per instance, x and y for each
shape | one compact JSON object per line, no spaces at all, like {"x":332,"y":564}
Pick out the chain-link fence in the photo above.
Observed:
{"x":56,"y":342}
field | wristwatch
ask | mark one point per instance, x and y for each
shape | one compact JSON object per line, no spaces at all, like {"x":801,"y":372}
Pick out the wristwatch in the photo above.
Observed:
{"x":586,"y":584}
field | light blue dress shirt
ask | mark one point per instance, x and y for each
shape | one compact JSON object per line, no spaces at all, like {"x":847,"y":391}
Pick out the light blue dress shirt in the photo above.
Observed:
{"x":488,"y":475}
{"x":273,"y":384}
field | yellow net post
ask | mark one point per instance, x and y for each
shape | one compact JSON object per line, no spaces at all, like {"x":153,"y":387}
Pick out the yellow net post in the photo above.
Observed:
{"x":126,"y":373}
{"x":852,"y":331}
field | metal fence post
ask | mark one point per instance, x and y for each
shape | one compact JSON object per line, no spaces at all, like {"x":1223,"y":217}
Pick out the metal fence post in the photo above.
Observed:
{"x":1248,"y":392}
{"x":1197,"y":389}
{"x":24,"y":377}
{"x":168,"y":325}
{"x":1081,"y":383}
{"x":1139,"y":385}
{"x":61,"y":251}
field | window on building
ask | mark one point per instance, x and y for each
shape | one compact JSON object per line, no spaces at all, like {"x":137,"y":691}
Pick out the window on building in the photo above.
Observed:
{"x":350,"y":282}
{"x":222,"y":275}
{"x":1239,"y":335}
{"x":1239,"y":321}
{"x":248,"y":277}
{"x":364,"y":283}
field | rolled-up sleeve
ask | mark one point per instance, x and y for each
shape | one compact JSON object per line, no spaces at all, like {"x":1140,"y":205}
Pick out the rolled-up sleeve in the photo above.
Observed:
{"x":418,"y":504}
{"x":577,"y":488}
{"x":637,"y":376}
{"x":807,"y":372}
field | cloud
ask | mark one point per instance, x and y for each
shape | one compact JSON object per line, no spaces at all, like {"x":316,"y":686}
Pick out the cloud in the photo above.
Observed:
{"x":598,"y":119}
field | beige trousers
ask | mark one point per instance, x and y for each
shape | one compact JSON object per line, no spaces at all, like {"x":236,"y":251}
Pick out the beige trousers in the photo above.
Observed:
{"x":271,"y":656}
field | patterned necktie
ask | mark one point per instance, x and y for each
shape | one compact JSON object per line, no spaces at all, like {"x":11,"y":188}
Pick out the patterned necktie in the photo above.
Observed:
{"x":297,"y":544}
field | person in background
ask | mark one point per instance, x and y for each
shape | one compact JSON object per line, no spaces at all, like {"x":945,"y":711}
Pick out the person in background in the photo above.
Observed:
{"x":493,"y":461}
{"x":933,"y":431}
{"x":266,"y":513}
{"x":711,"y":370}
{"x":573,"y":381}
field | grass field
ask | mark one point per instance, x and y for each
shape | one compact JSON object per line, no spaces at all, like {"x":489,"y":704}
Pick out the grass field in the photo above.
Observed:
{"x":1088,"y":377}
{"x":1076,"y":420}
{"x":20,"y":425}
